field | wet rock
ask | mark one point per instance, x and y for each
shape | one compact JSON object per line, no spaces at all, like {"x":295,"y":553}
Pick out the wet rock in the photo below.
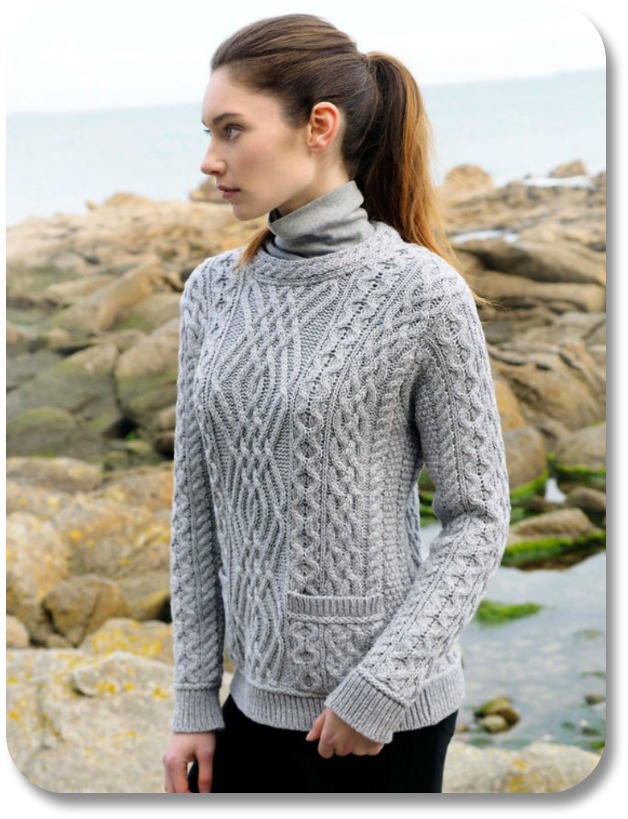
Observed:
{"x":526,"y":458}
{"x":551,"y":534}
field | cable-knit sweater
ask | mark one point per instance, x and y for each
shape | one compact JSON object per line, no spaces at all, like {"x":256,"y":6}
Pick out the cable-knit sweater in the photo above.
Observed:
{"x":311,"y":393}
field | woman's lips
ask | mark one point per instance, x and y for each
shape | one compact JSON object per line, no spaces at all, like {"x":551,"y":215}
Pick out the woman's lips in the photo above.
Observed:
{"x":228,"y":193}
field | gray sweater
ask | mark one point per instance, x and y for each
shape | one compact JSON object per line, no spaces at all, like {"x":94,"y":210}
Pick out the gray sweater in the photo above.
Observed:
{"x":311,"y":394}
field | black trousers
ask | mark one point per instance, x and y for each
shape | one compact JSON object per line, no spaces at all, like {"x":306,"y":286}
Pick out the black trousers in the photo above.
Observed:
{"x":253,"y":758}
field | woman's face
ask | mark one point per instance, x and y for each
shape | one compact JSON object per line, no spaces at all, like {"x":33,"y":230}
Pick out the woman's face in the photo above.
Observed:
{"x":259,"y":160}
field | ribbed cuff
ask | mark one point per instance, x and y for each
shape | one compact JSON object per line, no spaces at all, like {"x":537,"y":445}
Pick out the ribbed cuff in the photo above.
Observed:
{"x":365,"y":708}
{"x":196,"y":710}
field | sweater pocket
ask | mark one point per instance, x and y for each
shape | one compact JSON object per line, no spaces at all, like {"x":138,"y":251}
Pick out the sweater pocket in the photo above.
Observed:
{"x":328,"y":635}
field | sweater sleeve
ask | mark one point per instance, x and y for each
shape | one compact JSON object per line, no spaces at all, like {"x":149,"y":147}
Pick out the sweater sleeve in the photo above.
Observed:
{"x":455,"y":411}
{"x":196,"y":601}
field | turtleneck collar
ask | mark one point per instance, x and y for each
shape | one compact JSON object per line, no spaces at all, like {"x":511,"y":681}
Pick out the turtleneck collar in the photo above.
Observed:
{"x":333,"y":222}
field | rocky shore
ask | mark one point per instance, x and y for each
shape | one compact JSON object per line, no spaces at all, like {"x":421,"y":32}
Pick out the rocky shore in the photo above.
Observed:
{"x":92,"y":338}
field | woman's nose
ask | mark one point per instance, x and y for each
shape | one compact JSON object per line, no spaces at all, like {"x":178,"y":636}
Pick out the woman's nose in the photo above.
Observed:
{"x":212,"y":164}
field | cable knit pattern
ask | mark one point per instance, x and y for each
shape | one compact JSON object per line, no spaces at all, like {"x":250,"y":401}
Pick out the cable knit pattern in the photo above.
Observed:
{"x":311,"y":394}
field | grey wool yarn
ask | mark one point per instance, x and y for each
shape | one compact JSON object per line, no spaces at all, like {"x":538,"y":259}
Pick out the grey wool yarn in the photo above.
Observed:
{"x":311,"y":394}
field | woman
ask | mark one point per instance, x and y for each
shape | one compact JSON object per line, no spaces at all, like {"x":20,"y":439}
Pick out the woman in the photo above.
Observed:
{"x":320,"y":369}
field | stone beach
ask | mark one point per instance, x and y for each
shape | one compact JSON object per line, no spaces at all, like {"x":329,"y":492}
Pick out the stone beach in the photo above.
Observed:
{"x":92,"y":341}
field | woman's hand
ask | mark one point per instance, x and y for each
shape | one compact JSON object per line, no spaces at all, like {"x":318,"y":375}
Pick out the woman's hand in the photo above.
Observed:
{"x":183,"y":749}
{"x":337,"y":737}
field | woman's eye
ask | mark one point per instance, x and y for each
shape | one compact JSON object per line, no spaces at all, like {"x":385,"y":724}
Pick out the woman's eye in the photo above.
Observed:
{"x":232,"y":131}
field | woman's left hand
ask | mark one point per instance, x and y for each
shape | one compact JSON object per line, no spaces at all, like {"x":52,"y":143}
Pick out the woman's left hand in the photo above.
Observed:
{"x":337,"y":737}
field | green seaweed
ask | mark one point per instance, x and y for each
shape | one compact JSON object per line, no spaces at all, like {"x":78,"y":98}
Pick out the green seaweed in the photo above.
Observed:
{"x":530,"y":551}
{"x":490,"y":612}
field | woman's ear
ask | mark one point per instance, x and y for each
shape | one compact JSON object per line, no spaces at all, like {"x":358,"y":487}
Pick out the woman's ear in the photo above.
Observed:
{"x":324,"y":125}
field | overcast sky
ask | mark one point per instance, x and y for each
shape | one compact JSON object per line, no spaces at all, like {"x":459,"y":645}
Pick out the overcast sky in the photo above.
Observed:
{"x":78,"y":54}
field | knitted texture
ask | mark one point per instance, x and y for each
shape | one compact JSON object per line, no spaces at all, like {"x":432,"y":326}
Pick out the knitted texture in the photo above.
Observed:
{"x":311,"y":393}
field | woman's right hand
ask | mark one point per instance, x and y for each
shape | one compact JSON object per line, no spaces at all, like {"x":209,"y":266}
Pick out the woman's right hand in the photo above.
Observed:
{"x":183,"y":749}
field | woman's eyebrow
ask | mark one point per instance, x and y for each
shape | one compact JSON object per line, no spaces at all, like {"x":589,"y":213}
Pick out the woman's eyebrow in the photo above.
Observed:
{"x":217,"y":120}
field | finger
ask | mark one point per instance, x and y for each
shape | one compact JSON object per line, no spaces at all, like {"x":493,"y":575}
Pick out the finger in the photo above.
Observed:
{"x":179,"y":778}
{"x":325,"y":750}
{"x":205,"y":774}
{"x":317,"y":727}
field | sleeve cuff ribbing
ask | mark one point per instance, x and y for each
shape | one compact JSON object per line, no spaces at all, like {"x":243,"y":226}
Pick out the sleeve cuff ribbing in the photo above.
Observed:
{"x":197,"y":710}
{"x":365,"y":708}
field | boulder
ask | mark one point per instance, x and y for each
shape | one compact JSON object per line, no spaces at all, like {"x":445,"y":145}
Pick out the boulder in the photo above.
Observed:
{"x":538,"y":768}
{"x":146,"y":378}
{"x":59,"y":474}
{"x":580,"y":458}
{"x":519,"y":291}
{"x":526,"y":458}
{"x":574,"y":168}
{"x":84,"y":723}
{"x":49,"y":432}
{"x":80,"y":605}
{"x":17,"y":633}
{"x":82,"y":384}
{"x":541,"y":261}
{"x":37,"y":559}
{"x":152,"y":639}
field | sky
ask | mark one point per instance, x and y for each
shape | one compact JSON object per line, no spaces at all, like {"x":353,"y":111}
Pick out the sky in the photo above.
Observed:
{"x":82,"y":54}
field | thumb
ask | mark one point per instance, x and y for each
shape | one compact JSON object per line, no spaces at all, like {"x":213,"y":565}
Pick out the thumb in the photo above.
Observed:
{"x":317,"y":727}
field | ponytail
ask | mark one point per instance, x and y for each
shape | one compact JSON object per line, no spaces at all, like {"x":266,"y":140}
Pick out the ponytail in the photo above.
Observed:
{"x":393,"y":172}
{"x":387,"y":142}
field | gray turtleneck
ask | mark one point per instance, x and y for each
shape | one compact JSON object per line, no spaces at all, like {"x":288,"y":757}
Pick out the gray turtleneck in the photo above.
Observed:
{"x":334,"y":221}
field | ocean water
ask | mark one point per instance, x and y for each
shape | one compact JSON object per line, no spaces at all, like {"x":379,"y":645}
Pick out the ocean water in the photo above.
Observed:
{"x":511,"y":128}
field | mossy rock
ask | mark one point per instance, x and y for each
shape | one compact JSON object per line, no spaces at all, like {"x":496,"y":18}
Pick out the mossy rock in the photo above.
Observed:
{"x":50,"y":432}
{"x":535,"y":551}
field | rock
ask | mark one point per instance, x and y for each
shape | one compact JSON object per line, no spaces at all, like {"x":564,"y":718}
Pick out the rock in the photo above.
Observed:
{"x":84,"y":723}
{"x":465,"y":181}
{"x":591,"y":501}
{"x":148,"y":595}
{"x":81,"y":384}
{"x":50,"y":432}
{"x":146,"y":378}
{"x":567,"y":327}
{"x":507,"y":405}
{"x":151,"y":312}
{"x":37,"y":559}
{"x":81,"y":604}
{"x":79,"y":723}
{"x":515,"y":291}
{"x":537,"y":768}
{"x":594,"y":699}
{"x":526,"y":458}
{"x":152,"y":640}
{"x":569,"y":522}
{"x":580,"y":457}
{"x":500,"y":706}
{"x":17,"y":633}
{"x":23,"y":367}
{"x":102,"y":309}
{"x":112,"y":539}
{"x":493,"y":723}
{"x":574,"y":168}
{"x":559,"y":389}
{"x":42,"y":503}
{"x":545,"y":261}
{"x":148,"y":487}
{"x":59,"y":474}
{"x":207,"y":192}
{"x":550,"y":535}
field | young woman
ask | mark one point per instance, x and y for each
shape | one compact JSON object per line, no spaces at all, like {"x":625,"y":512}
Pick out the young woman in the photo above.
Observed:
{"x":321,"y":368}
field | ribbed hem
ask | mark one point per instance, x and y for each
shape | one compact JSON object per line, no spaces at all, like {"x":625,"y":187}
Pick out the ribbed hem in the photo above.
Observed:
{"x":196,"y":710}
{"x":356,"y":701}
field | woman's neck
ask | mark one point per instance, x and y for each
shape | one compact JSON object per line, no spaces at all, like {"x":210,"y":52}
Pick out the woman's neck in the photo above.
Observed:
{"x":334,"y":221}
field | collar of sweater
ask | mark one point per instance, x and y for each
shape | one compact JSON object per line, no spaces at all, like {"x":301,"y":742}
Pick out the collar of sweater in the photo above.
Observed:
{"x":330,"y":223}
{"x":383,"y":242}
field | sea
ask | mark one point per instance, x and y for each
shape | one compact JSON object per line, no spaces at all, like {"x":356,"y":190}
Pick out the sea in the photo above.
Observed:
{"x":512,"y":128}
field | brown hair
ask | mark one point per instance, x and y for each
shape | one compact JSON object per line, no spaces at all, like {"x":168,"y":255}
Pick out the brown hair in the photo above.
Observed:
{"x":387,"y":142}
